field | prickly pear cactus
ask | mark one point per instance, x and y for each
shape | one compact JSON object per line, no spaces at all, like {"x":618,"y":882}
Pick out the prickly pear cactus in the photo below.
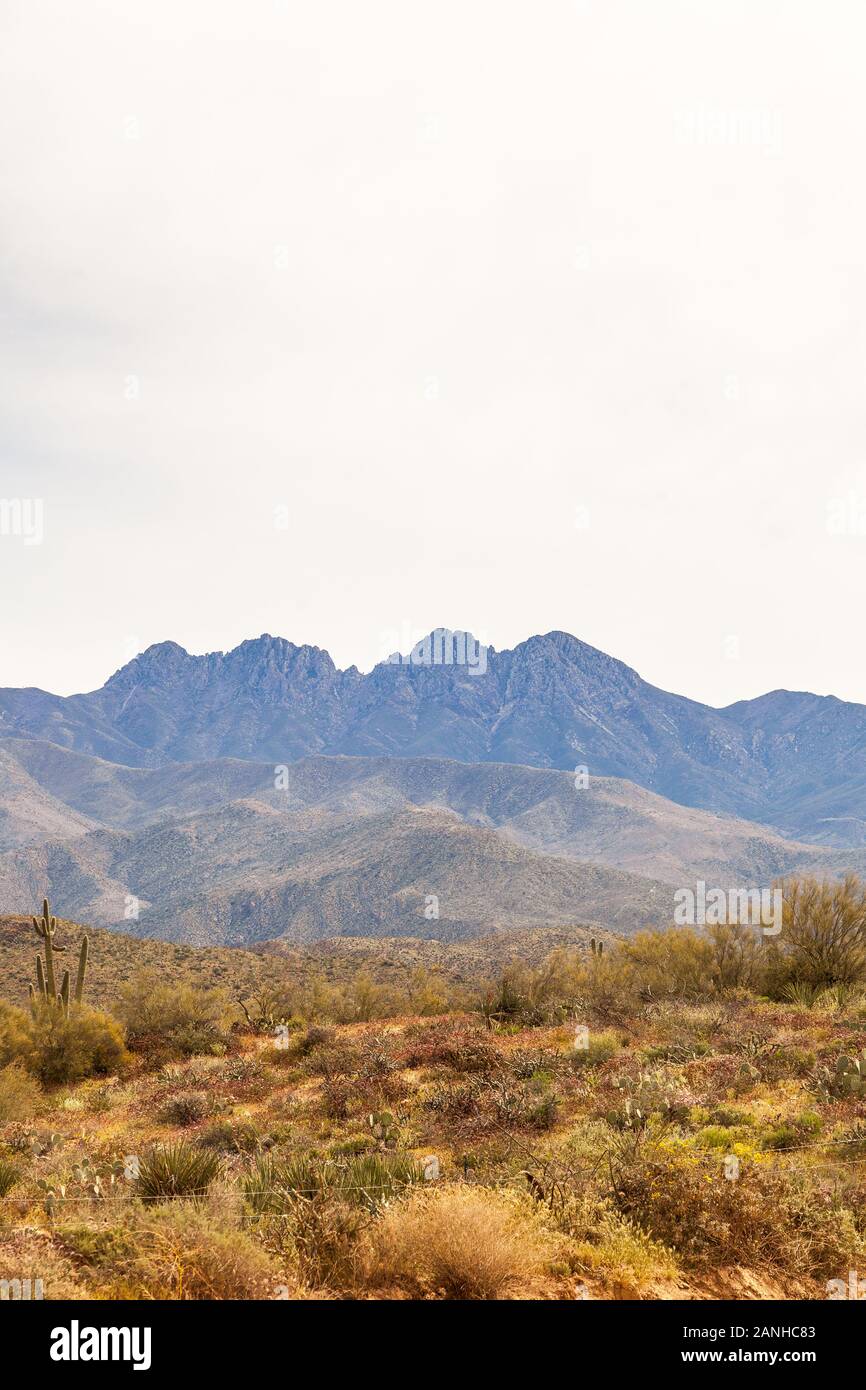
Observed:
{"x":384,"y":1128}
{"x":646,"y":1095}
{"x":848,"y":1078}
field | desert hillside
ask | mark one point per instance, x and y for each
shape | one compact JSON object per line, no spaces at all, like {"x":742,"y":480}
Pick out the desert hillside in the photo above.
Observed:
{"x":668,"y":1116}
{"x":214,"y":852}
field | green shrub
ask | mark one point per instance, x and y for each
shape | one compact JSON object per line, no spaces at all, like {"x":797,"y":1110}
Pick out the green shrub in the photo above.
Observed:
{"x":600,"y":1048}
{"x":784,"y":1136}
{"x":174,"y":1170}
{"x":730,"y":1117}
{"x":16,"y":1041}
{"x":355,"y":1144}
{"x":809,"y":1122}
{"x":231,"y":1136}
{"x":87,"y":1043}
{"x":315,"y":1037}
{"x":716,"y":1137}
{"x":543,"y":1113}
{"x":177,"y":1017}
{"x":101,"y":1248}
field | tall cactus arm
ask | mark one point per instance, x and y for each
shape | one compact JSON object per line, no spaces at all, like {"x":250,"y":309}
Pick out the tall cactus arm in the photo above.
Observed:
{"x":49,"y":964}
{"x":82,"y":970}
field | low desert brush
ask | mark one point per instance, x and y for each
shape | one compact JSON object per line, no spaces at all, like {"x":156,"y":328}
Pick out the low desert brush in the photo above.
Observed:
{"x":190,"y":1250}
{"x":187,"y":1108}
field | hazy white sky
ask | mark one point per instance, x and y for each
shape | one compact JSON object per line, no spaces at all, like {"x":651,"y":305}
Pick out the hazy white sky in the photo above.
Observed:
{"x":342,"y":321}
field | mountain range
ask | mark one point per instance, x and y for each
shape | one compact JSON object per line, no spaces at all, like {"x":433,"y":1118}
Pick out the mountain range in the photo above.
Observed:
{"x":793,"y":761}
{"x":263,"y":794}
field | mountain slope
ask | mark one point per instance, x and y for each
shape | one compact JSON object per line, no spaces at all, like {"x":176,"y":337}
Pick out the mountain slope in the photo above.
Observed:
{"x":249,"y":872}
{"x":610,"y":821}
{"x":28,"y":811}
{"x":796,"y":762}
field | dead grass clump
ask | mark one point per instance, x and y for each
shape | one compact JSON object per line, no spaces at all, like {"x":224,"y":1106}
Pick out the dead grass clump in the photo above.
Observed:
{"x":31,"y":1254}
{"x":186,"y":1250}
{"x":460,"y":1242}
{"x":187,"y":1108}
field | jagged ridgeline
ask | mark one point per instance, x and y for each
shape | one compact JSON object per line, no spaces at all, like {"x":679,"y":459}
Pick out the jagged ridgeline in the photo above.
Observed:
{"x":46,"y":994}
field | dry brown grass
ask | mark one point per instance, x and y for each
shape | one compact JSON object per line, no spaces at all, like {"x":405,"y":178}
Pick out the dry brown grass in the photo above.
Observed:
{"x":20,"y":1094}
{"x":460,"y":1242}
{"x":189,"y":1250}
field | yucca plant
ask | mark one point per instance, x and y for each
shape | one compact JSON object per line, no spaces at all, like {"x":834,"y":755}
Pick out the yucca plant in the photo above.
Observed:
{"x":176,"y":1170}
{"x":9,"y":1175}
{"x":800,"y":992}
{"x":370,"y":1179}
{"x":273,"y":1184}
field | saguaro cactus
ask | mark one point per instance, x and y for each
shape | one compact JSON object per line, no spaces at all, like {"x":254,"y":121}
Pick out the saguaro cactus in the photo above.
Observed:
{"x":46,"y":992}
{"x":46,"y":929}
